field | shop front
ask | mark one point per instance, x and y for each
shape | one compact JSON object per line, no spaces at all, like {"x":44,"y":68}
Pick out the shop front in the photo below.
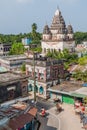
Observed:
{"x":67,"y":99}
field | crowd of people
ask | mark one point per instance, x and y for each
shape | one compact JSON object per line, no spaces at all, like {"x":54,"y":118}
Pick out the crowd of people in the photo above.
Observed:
{"x":80,"y":109}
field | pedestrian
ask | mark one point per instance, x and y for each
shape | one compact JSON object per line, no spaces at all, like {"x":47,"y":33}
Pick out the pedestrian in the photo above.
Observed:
{"x":82,"y":116}
{"x":43,"y":112}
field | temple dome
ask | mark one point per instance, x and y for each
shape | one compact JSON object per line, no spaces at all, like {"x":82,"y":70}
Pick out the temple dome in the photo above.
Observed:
{"x":57,"y":12}
{"x":69,"y":29}
{"x":58,"y":22}
{"x":46,"y":30}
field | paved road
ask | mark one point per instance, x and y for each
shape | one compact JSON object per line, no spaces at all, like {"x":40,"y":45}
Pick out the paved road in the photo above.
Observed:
{"x":68,"y":119}
{"x":50,"y":122}
{"x":47,"y":123}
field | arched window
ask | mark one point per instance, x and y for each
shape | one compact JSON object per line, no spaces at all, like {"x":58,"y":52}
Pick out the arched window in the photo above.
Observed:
{"x":29,"y":87}
{"x":41,"y":90}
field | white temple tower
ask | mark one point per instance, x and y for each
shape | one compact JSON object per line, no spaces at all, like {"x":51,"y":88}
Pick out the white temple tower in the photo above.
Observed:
{"x":57,"y":36}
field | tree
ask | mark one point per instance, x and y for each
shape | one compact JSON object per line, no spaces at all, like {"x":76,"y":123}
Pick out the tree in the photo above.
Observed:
{"x":82,"y":60}
{"x":85,"y":101}
{"x":17,"y":49}
{"x":36,"y":37}
{"x":80,"y":36}
{"x":23,"y":67}
{"x":49,"y":53}
{"x":34,"y":33}
{"x":34,"y":27}
{"x":37,"y":49}
{"x":79,"y":75}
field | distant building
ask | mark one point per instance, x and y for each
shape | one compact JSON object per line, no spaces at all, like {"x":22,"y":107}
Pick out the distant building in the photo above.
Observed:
{"x":85,"y":44}
{"x":26,"y":42}
{"x":13,"y":62}
{"x":80,"y":47}
{"x":4,"y":49}
{"x":32,"y":46}
{"x":12,"y":85}
{"x":48,"y":72}
{"x":57,"y":37}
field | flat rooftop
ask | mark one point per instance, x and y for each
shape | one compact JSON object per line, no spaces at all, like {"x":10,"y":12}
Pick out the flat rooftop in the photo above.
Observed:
{"x":2,"y":69}
{"x":82,"y":90}
{"x":13,"y":57}
{"x":9,"y":76}
{"x":67,"y":86}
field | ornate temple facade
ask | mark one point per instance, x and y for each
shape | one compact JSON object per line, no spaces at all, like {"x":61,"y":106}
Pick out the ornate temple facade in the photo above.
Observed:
{"x":57,"y":36}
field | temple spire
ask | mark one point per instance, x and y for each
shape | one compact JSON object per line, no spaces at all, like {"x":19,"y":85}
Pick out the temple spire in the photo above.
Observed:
{"x":58,"y":7}
{"x":57,"y":12}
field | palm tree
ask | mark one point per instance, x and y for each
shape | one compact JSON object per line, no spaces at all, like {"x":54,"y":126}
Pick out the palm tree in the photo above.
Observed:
{"x":34,"y":34}
{"x":34,"y":27}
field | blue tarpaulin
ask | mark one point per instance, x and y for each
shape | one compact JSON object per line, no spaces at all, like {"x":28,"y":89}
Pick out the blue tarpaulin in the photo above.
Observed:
{"x":84,"y":85}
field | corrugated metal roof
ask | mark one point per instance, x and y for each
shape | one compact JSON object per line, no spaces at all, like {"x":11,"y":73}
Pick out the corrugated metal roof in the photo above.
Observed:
{"x":84,"y":85}
{"x":16,"y":118}
{"x":78,"y":95}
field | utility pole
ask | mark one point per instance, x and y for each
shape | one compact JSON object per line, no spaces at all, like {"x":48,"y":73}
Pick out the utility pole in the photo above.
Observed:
{"x":34,"y":77}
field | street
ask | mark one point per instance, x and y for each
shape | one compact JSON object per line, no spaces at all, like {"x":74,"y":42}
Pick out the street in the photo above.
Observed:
{"x":65,"y":120}
{"x":50,"y":122}
{"x":53,"y":121}
{"x":47,"y":123}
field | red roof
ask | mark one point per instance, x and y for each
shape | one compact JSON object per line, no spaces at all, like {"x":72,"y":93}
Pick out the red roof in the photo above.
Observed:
{"x":21,"y":120}
{"x":32,"y":111}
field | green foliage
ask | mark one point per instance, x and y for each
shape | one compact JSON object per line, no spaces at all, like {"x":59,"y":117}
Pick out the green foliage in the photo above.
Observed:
{"x":34,"y":33}
{"x":49,"y":54}
{"x":17,"y":49}
{"x":66,"y":65}
{"x":80,"y":36}
{"x":79,"y":75}
{"x":38,"y":49}
{"x":36,"y":42}
{"x":69,"y":58}
{"x":23,"y":67}
{"x":85,"y":101}
{"x":12,"y":38}
{"x":36,"y":37}
{"x":82,"y":60}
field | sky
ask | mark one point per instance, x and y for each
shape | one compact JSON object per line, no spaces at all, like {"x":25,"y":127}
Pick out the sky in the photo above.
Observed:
{"x":17,"y":16}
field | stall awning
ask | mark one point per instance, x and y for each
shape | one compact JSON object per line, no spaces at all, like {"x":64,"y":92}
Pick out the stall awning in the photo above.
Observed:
{"x":78,"y":95}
